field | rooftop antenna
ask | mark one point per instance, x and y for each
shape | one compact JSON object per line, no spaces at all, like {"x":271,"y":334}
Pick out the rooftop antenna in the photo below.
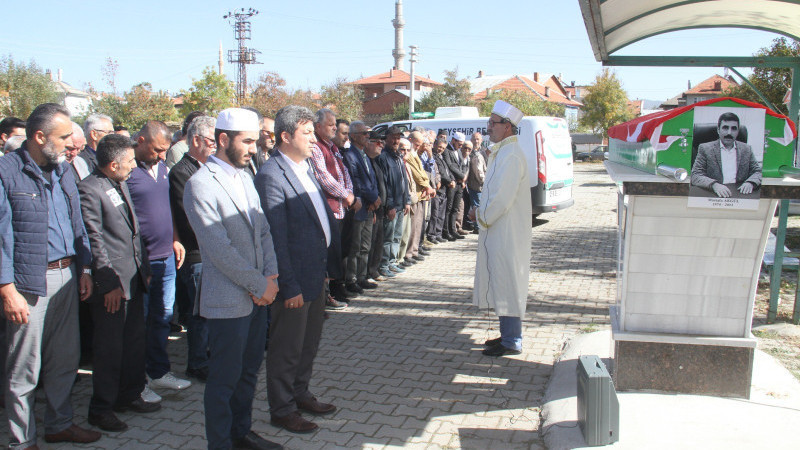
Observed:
{"x":242,"y":56}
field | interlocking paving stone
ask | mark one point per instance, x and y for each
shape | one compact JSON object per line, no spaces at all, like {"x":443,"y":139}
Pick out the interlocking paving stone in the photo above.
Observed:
{"x":403,"y":362}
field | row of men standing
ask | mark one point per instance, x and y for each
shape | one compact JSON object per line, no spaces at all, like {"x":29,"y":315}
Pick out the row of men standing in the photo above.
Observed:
{"x":137,"y":227}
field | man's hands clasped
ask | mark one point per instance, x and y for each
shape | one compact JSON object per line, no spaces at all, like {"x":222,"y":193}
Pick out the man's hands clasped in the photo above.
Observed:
{"x":269,"y":294}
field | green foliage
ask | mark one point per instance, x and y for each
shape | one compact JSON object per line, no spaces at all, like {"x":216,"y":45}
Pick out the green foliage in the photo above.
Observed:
{"x":210,"y":94}
{"x":343,"y":98}
{"x":399,"y":112}
{"x":26,"y":87}
{"x":772,"y":82}
{"x":137,"y":106}
{"x":453,"y":92}
{"x":605,"y":103}
{"x":529,"y":103}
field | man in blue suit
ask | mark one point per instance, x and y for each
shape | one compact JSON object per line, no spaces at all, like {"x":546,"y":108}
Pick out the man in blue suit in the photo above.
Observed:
{"x":303,"y":229}
{"x":238,"y":279}
{"x":365,"y":187}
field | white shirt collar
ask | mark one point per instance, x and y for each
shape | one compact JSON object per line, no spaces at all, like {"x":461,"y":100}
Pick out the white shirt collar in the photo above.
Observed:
{"x":229,"y":169}
{"x":722,"y":145}
{"x":301,"y":167}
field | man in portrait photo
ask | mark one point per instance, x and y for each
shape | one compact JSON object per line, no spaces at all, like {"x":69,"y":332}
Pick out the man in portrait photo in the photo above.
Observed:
{"x":727,"y":167}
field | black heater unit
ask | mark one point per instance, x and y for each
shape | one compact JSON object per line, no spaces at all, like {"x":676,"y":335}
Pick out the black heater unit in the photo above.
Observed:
{"x":598,"y":408}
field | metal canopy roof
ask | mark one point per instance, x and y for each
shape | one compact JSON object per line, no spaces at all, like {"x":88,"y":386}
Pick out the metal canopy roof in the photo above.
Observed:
{"x":614,"y":24}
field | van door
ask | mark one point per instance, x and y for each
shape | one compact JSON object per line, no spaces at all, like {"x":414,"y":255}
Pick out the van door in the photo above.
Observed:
{"x":554,"y":166}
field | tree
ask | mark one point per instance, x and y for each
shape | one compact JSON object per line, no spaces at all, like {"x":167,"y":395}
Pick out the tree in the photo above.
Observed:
{"x":399,"y":112}
{"x":210,"y":94}
{"x":269,"y":94}
{"x":527,"y":102}
{"x":605,"y":103}
{"x":26,"y":86}
{"x":453,"y":92}
{"x":109,"y":70}
{"x":772,"y":82}
{"x":344,"y":98}
{"x":137,"y":106}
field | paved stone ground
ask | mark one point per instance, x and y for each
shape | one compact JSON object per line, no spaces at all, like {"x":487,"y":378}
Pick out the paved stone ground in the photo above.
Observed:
{"x":404,"y":364}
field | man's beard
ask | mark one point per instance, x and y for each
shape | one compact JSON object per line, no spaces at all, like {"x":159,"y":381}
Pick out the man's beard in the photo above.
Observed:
{"x":52,"y":156}
{"x":239,"y":163}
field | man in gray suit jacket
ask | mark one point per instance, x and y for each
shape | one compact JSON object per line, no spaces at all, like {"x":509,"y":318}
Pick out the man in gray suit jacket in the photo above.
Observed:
{"x":726,"y":161}
{"x":304,"y":229}
{"x":121,"y":271}
{"x":238,"y":280}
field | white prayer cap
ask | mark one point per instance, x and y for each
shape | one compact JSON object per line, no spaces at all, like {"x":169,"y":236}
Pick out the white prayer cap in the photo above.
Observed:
{"x":507,"y":111}
{"x":459,"y":136}
{"x":237,"y":119}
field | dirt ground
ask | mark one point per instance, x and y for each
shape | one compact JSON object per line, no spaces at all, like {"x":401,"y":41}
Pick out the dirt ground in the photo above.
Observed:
{"x":782,"y":345}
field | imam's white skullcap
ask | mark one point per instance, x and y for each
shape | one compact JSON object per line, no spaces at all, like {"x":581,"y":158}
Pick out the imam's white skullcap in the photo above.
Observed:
{"x":237,"y":119}
{"x":507,"y":111}
{"x":459,"y":136}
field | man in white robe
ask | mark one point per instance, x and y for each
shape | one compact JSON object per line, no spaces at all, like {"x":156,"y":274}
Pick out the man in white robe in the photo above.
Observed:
{"x":504,"y":216}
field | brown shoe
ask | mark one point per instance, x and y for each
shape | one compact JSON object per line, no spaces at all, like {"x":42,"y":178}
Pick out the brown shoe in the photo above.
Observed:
{"x":73,"y":434}
{"x":313,"y":406}
{"x":294,"y":423}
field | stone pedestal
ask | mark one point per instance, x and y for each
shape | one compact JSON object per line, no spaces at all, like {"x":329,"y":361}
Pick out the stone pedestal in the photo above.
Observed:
{"x":682,"y":363}
{"x":686,"y":283}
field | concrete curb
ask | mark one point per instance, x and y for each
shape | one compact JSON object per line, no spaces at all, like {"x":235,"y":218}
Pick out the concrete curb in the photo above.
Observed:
{"x":559,"y":424}
{"x":662,"y":420}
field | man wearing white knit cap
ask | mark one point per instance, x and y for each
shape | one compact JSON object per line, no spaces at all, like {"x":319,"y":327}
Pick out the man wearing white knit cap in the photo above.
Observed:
{"x":504,"y":216}
{"x":239,"y":278}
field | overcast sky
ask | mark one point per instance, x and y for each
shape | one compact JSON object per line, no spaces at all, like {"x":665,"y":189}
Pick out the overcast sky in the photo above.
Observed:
{"x":310,"y":43}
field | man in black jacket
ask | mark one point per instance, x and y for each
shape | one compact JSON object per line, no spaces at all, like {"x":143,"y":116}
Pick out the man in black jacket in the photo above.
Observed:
{"x":121,"y":273}
{"x":452,"y":157}
{"x":439,"y":202}
{"x":373,"y":149}
{"x":200,"y":139}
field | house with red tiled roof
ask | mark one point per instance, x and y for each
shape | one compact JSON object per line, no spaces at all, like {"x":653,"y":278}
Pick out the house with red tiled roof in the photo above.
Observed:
{"x":711,"y":87}
{"x":385,"y":90}
{"x":382,"y":83}
{"x":545,"y":86}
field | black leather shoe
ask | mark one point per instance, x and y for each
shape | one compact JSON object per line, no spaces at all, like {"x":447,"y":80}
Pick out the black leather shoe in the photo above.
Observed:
{"x":340,"y":293}
{"x":255,"y":442}
{"x":295,"y":423}
{"x":424,"y":252}
{"x":452,"y":238}
{"x":366,"y":284}
{"x":198,"y":374}
{"x":493,"y":342}
{"x":500,"y":350}
{"x":419,"y":258}
{"x":458,"y":236}
{"x":353,"y":287}
{"x":316,"y":407}
{"x":138,"y":406}
{"x":107,"y":422}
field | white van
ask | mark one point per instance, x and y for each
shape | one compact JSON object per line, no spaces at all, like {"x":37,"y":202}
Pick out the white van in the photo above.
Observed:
{"x":546,"y":143}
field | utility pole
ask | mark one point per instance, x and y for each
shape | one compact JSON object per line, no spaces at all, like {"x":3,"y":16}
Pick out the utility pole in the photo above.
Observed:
{"x":242,"y":56}
{"x":413,"y":60}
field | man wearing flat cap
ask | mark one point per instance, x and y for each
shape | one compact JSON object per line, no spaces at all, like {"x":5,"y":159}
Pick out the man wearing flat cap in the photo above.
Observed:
{"x":238,"y":279}
{"x":504,"y":216}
